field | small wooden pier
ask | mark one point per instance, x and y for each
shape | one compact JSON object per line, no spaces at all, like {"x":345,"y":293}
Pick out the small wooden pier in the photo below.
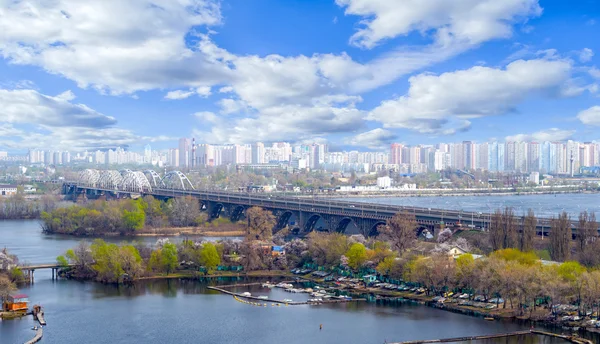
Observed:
{"x":38,"y":336}
{"x":293,"y":303}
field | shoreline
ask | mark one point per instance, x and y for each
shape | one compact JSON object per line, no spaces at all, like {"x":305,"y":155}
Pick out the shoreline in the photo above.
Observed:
{"x":453,"y":193}
{"x":175,"y":232}
{"x":540,"y":318}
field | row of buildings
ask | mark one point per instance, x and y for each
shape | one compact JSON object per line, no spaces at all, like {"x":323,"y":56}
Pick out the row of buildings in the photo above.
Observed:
{"x":525,"y":157}
{"x":547,"y":157}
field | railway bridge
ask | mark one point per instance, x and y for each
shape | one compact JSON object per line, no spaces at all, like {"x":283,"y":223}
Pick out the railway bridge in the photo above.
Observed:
{"x":302,"y":213}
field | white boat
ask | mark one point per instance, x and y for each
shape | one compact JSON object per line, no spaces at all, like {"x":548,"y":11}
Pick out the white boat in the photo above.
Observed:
{"x":263,"y":297}
{"x":246,"y":294}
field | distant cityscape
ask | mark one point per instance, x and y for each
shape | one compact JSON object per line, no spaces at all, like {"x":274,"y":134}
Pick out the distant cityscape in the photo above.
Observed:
{"x":570,"y":157}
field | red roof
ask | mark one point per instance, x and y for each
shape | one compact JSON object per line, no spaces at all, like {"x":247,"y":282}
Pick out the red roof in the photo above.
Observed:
{"x":19,"y":296}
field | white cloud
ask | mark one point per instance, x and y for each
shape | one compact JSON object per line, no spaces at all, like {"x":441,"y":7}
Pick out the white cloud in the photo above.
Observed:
{"x":586,"y":54}
{"x":552,"y":134}
{"x":470,"y":21}
{"x":35,"y":120}
{"x":206,"y":116}
{"x":442,"y":104}
{"x":594,"y":72}
{"x":29,"y":106}
{"x":590,"y":116}
{"x":178,"y":94}
{"x":204,"y":91}
{"x":101,"y":44}
{"x":374,"y":139}
{"x":226,"y":89}
{"x":285,"y":123}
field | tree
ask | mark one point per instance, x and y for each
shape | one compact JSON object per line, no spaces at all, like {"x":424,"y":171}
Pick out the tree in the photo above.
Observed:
{"x":357,"y":255}
{"x":209,"y":256}
{"x":560,"y":237}
{"x":6,"y":287}
{"x":465,"y":271}
{"x":510,"y":228}
{"x":260,"y":224}
{"x":496,"y":231}
{"x":401,"y":231}
{"x":325,"y":249}
{"x":587,"y":230}
{"x":528,"y":233}
{"x":62,"y":261}
{"x":184,"y":211}
{"x":133,"y":220}
{"x":168,"y":257}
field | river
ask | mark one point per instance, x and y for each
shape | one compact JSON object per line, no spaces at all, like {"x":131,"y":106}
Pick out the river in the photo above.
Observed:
{"x":185,"y":311}
{"x":547,"y":205}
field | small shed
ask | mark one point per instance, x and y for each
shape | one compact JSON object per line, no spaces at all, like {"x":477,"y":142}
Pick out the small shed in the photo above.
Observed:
{"x":369,"y":279}
{"x":18,"y":302}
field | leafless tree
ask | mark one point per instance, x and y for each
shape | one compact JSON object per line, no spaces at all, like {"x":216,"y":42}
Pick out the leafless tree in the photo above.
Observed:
{"x":560,"y":237}
{"x":260,"y":224}
{"x":528,"y":233}
{"x":400,"y":231}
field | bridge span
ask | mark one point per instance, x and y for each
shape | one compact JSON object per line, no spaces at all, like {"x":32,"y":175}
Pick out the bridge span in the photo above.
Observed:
{"x":337,"y":215}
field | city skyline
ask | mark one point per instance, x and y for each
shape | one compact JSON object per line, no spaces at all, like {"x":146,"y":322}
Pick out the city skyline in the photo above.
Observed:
{"x":331,"y":71}
{"x":551,"y":157}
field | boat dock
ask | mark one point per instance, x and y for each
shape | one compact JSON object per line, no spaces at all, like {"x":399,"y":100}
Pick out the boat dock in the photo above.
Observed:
{"x":38,"y":314}
{"x":293,"y":303}
{"x":38,"y":336}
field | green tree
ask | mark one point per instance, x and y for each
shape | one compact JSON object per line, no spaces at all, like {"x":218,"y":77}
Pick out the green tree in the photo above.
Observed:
{"x":62,"y":261}
{"x":133,"y":220}
{"x":168,"y":257}
{"x":357,"y":255}
{"x":209,"y":256}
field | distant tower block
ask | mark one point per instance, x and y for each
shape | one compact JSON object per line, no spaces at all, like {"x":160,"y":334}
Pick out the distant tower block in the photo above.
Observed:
{"x":571,"y":164}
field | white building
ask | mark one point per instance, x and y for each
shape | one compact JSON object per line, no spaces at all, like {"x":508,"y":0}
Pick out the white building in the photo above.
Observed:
{"x":384,"y":182}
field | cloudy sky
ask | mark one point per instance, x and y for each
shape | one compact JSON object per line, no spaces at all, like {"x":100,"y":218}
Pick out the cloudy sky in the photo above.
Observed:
{"x":355,"y":73}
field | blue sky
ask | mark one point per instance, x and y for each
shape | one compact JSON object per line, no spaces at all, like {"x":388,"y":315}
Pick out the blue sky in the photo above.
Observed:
{"x":354,"y":73}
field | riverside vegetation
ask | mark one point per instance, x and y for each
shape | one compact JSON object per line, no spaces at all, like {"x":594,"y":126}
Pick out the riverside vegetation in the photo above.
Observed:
{"x":129,"y":217}
{"x":520,"y":283}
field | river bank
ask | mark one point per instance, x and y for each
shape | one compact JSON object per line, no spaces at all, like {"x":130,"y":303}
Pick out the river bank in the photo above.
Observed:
{"x":540,"y":317}
{"x":451,"y":193}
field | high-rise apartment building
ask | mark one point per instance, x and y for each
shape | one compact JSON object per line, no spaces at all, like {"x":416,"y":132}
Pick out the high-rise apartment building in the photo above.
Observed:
{"x":185,"y":152}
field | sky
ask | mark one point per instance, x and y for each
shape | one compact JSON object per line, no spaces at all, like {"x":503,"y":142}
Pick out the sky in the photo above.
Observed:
{"x":356,"y":74}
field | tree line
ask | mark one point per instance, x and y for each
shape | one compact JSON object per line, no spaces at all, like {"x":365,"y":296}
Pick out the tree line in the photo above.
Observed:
{"x":509,"y":231}
{"x":16,"y":207}
{"x":125,"y":216}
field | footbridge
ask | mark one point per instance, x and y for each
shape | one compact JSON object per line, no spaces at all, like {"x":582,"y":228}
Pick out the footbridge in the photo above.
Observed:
{"x":302,"y":213}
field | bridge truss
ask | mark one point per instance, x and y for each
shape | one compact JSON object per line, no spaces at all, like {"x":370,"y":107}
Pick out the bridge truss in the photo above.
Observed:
{"x":134,"y":181}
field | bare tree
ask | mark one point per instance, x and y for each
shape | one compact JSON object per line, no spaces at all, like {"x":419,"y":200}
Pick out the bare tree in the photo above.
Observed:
{"x":401,"y":231}
{"x":510,"y":228}
{"x":528,"y":233}
{"x":496,"y":231}
{"x":560,"y":237}
{"x":587,"y":230}
{"x":184,"y":211}
{"x":260,"y":224}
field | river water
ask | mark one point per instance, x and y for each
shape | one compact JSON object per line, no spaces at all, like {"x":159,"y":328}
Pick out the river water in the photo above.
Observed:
{"x":185,"y":311}
{"x":543,"y":205}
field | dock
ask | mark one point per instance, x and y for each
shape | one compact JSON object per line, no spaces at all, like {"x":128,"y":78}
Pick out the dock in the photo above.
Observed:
{"x":40,"y":318}
{"x":38,"y":336}
{"x":293,"y":303}
{"x":38,"y":314}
